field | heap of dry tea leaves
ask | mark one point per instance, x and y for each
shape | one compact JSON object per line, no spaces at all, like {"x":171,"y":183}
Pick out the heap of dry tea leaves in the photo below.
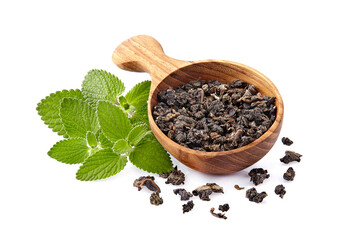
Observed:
{"x":213,"y":116}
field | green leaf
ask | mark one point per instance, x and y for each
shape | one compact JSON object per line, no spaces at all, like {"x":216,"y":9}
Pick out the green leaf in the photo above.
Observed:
{"x":121,"y":147}
{"x":103,"y":164}
{"x":150,"y":156}
{"x":123,"y":102}
{"x":138,"y":95}
{"x":78,"y":117}
{"x":113,"y":121}
{"x":101,"y":85}
{"x":71,"y":151}
{"x":49,"y":109}
{"x":104,"y":142}
{"x":137,"y":134}
{"x":91,"y":139}
{"x":140,"y":115}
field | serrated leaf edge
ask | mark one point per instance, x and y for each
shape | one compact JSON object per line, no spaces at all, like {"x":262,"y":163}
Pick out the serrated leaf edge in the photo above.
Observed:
{"x":63,"y":140}
{"x":169,"y":156}
{"x":136,"y":86}
{"x":92,"y":179}
{"x":99,"y":120}
{"x":89,"y":97}
{"x":49,"y":96}
{"x":80,"y":100}
{"x":137,"y":125}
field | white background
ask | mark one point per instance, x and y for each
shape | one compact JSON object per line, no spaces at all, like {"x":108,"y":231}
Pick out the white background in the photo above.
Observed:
{"x":309,"y":49}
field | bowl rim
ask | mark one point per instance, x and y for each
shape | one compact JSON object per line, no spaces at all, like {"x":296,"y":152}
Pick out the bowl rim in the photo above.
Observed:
{"x":277,"y":123}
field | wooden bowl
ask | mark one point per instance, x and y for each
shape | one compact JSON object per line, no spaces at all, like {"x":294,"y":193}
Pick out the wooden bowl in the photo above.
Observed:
{"x":144,"y":54}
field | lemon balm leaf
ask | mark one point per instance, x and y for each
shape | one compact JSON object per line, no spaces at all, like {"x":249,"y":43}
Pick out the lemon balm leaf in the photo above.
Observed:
{"x":113,"y":121}
{"x":101,"y":85}
{"x":103,"y":164}
{"x":149,"y":155}
{"x":70,"y":151}
{"x":138,"y":95}
{"x":91,"y":139}
{"x":49,"y":109}
{"x":137,"y":134}
{"x":78,"y":117}
{"x":122,"y":147}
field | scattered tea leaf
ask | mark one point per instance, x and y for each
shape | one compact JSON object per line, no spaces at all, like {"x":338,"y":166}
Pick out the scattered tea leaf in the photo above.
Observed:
{"x":204,"y":191}
{"x":280,"y":190}
{"x":175,"y":177}
{"x":224,"y":207}
{"x":289,"y":174}
{"x":238,"y":187}
{"x":290,"y":156}
{"x":183,"y":193}
{"x":287,"y":141}
{"x":155,"y":199}
{"x":254,"y":196}
{"x":148,"y":182}
{"x":218,"y":215}
{"x":258,"y":175}
{"x":188,"y":206}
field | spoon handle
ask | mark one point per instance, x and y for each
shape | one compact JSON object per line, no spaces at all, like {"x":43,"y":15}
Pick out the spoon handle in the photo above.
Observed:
{"x":143,"y":53}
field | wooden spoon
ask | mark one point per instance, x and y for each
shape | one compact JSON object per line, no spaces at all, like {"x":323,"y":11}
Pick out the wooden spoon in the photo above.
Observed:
{"x":144,"y":54}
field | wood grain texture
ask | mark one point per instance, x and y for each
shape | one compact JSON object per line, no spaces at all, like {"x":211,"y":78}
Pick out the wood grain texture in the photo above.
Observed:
{"x":144,"y":54}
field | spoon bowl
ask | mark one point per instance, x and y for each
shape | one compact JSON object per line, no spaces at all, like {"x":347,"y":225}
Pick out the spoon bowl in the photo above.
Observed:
{"x":144,"y":54}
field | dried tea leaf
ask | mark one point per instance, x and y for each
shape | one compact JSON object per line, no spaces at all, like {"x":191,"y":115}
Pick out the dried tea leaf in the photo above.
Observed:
{"x":287,"y":141}
{"x":218,"y":215}
{"x":183,"y":193}
{"x":289,"y":174}
{"x":254,"y":196}
{"x":148,"y":182}
{"x":290,"y":156}
{"x":155,"y":199}
{"x":280,"y":190}
{"x":224,"y":207}
{"x":238,"y":187}
{"x":204,"y":191}
{"x":258,"y":175}
{"x":188,"y":206}
{"x":175,"y":177}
